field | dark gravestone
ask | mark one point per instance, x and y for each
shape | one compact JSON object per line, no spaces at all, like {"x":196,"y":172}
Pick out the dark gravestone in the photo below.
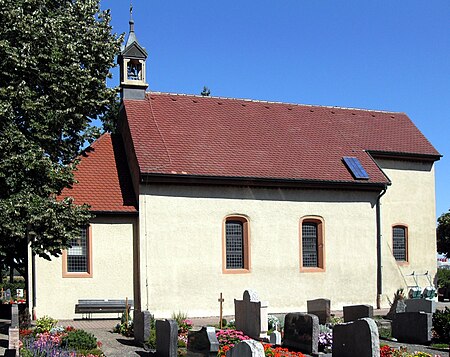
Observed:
{"x":10,"y":353}
{"x":166,"y":338}
{"x":8,"y":295}
{"x":142,"y":322}
{"x":203,"y":342}
{"x":301,"y":332}
{"x":356,"y":339}
{"x":424,"y":305}
{"x":412,"y":327}
{"x":356,"y":312}
{"x":251,"y":315}
{"x":320,"y":308}
{"x":247,"y":348}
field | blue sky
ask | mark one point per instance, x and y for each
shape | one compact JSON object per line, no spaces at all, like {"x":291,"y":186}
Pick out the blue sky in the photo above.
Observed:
{"x":383,"y":55}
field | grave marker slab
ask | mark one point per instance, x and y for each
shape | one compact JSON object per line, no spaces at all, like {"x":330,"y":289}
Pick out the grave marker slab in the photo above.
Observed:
{"x":142,"y":322}
{"x":416,"y":305}
{"x":14,"y":316}
{"x":320,"y":308}
{"x":203,"y":343}
{"x":13,"y":339}
{"x":356,"y":312}
{"x":356,"y":339}
{"x":275,"y":338}
{"x":247,"y":348}
{"x":412,"y":327}
{"x":166,"y":338}
{"x":251,"y":315}
{"x":301,"y":332}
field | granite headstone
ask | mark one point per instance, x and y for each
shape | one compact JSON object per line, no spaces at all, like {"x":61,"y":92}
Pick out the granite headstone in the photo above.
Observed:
{"x":301,"y":332}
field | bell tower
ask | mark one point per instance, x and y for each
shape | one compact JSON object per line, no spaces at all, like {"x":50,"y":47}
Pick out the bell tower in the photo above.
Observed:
{"x":132,"y":66}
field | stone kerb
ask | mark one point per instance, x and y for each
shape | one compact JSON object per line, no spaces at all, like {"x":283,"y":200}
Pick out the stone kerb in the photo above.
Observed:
{"x":412,"y":327}
{"x":356,"y":339}
{"x":203,"y":343}
{"x":251,"y":315}
{"x":247,"y":348}
{"x":355,"y":312}
{"x":321,"y":308}
{"x":166,"y":338}
{"x":301,"y":332}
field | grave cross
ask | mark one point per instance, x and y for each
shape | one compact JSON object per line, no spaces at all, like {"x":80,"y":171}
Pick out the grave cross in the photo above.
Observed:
{"x":221,"y":300}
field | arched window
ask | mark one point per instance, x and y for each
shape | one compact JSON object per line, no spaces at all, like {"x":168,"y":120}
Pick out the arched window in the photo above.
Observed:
{"x":312,"y":247}
{"x":400,"y":243}
{"x":236,"y":245}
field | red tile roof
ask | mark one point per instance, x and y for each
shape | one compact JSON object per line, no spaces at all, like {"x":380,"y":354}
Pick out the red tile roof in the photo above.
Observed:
{"x":103,"y":177}
{"x":219,"y":137}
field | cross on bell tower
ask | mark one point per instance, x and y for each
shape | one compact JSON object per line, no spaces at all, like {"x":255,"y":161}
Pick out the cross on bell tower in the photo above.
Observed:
{"x":132,"y":66}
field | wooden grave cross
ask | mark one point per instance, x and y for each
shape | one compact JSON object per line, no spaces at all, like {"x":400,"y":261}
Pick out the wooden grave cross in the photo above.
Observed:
{"x":221,"y":300}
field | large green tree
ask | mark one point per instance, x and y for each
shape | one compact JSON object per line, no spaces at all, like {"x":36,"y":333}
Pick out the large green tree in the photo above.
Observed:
{"x":443,"y":234}
{"x":55,"y":56}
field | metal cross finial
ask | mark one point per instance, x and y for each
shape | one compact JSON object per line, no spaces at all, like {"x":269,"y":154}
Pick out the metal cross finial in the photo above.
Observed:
{"x":131,"y":9}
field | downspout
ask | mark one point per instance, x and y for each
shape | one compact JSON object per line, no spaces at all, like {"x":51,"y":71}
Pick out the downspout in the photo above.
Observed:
{"x":379,"y":236}
{"x":33,"y":285}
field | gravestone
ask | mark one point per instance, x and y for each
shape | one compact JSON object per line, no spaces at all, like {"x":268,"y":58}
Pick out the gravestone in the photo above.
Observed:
{"x":412,"y":327}
{"x":301,"y":332}
{"x":320,"y":308}
{"x":356,"y":339}
{"x":14,"y":316}
{"x":10,"y":353}
{"x":13,"y":339}
{"x":203,"y":343}
{"x":355,"y":312}
{"x":416,"y":305}
{"x":166,"y":338}
{"x":251,"y":315}
{"x":275,"y":338}
{"x":8,"y":295}
{"x":142,"y":322}
{"x":398,"y":307}
{"x":246,"y":348}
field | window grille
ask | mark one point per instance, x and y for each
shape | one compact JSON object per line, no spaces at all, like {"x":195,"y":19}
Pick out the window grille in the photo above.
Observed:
{"x":77,"y":255}
{"x":234,"y":244}
{"x":310,"y":244}
{"x":399,"y":243}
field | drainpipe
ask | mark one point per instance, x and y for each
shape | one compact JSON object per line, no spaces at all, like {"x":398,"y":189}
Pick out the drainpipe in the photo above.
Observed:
{"x":379,"y":235}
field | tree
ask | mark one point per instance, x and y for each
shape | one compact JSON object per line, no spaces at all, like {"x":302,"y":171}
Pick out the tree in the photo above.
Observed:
{"x":55,"y":56}
{"x":443,"y":234}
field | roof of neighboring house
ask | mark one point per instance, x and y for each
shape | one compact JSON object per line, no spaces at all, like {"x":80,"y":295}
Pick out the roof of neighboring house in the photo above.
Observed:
{"x":104,"y":181}
{"x":189,"y":135}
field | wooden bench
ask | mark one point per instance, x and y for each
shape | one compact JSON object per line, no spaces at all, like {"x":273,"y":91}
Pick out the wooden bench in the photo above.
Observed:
{"x":92,"y":306}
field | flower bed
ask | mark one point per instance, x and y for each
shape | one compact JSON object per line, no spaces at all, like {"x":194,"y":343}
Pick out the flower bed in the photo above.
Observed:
{"x":50,"y":340}
{"x":387,"y":351}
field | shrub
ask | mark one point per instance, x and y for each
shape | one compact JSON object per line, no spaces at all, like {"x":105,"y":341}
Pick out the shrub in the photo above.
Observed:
{"x":441,"y":324}
{"x":151,"y":342}
{"x":273,"y":322}
{"x":443,"y":277}
{"x":45,"y":324}
{"x":80,"y":340}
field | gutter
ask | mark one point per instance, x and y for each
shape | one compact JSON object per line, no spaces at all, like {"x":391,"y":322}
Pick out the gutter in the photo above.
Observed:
{"x":379,"y":263}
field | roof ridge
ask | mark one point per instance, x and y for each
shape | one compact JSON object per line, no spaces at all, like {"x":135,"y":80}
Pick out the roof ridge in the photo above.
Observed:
{"x":275,"y":102}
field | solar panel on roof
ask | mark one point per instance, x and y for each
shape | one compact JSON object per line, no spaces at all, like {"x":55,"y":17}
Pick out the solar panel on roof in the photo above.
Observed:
{"x":355,"y":167}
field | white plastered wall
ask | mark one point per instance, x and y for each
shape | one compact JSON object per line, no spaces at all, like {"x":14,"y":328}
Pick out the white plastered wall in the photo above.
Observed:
{"x":409,"y":201}
{"x":181,"y":248}
{"x":112,"y":272}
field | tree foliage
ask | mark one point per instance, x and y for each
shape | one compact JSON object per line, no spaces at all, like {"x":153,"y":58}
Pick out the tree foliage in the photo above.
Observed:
{"x":443,"y":234}
{"x":55,"y":56}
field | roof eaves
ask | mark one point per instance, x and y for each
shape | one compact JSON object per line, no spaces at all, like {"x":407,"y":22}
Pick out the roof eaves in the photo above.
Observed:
{"x":404,"y":155}
{"x":262,"y":182}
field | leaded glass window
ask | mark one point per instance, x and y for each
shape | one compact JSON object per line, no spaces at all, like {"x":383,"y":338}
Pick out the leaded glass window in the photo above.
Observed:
{"x":399,"y":243}
{"x":234,"y":236}
{"x":310,"y":253}
{"x":78,"y":254}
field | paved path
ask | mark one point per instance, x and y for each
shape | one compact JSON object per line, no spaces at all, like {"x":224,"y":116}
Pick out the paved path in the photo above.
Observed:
{"x":113,"y":344}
